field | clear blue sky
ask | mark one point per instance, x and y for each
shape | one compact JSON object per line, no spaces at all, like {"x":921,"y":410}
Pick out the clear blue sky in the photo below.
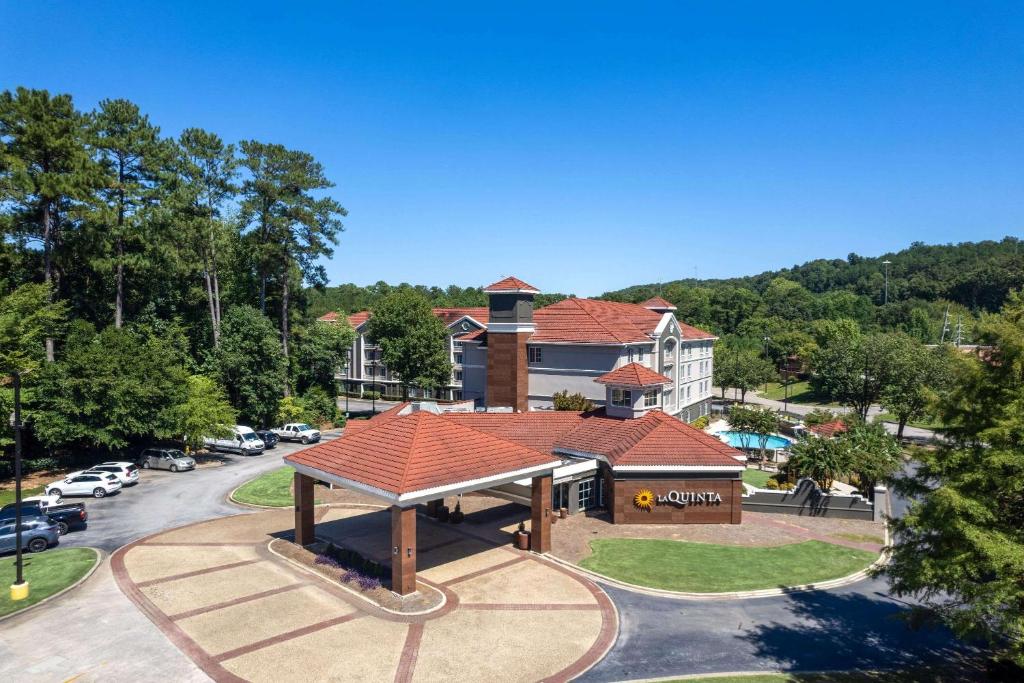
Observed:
{"x":583,"y":146}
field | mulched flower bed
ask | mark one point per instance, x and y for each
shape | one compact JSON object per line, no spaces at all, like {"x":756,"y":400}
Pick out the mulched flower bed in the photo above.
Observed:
{"x":373,"y":588}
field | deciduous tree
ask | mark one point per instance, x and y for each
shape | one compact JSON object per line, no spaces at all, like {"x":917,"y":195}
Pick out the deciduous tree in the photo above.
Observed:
{"x":413,"y":341}
{"x":249,"y":364}
{"x":205,"y":411}
{"x":960,"y":548}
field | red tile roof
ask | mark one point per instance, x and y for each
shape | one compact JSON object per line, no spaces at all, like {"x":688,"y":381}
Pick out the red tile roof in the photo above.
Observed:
{"x":418,"y":451}
{"x":511,"y":284}
{"x":829,"y":429}
{"x":633,"y":375}
{"x":539,"y":430}
{"x":592,"y":321}
{"x":658,"y":302}
{"x":654,"y":439}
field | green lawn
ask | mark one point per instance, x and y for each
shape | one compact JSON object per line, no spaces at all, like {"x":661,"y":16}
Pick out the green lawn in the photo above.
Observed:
{"x":273,"y":489}
{"x":707,"y":568}
{"x":47,"y":573}
{"x":799,"y":392}
{"x":7,"y":495}
{"x":756,"y":478}
{"x":921,"y":675}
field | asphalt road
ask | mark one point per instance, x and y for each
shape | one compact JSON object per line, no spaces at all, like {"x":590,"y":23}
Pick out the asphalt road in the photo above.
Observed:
{"x":163,"y":500}
{"x":854,"y":627}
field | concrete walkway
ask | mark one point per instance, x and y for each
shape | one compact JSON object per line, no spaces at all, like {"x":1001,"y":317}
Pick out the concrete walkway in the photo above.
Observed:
{"x":242,"y":613}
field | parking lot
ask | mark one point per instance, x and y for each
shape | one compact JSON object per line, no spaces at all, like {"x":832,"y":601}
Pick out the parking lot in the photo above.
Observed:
{"x":162,"y":499}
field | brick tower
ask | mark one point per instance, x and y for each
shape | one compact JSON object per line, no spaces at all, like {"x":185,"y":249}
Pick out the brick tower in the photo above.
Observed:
{"x":509,"y":327}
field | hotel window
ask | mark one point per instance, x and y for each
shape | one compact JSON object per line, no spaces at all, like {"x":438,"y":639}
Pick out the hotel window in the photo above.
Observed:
{"x":687,"y":393}
{"x":533,"y":354}
{"x":458,"y":375}
{"x":586,"y":494}
{"x":621,"y":397}
{"x":458,"y":358}
{"x":650,"y":398}
{"x":640,"y":355}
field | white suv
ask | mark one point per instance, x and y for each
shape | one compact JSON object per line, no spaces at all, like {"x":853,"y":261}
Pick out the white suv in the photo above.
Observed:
{"x":97,"y":484}
{"x":126,"y":472}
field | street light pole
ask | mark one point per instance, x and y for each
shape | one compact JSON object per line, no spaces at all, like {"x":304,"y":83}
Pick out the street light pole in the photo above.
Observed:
{"x":886,"y":264}
{"x":19,"y":591}
{"x":766,"y":340}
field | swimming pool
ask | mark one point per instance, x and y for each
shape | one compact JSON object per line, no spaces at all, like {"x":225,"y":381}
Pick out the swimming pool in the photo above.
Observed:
{"x":748,"y":440}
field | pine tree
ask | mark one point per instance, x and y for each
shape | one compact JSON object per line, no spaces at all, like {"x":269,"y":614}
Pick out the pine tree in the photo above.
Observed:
{"x":45,"y":172}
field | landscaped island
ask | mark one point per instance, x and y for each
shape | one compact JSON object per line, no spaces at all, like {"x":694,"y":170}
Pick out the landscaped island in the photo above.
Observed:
{"x":707,"y":568}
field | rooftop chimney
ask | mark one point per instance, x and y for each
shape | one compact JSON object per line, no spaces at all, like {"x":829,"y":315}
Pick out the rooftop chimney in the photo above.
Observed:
{"x":509,"y":327}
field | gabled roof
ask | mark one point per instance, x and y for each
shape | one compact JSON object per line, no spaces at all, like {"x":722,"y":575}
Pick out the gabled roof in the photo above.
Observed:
{"x":633,"y":375}
{"x":655,"y":439}
{"x":590,"y":321}
{"x":829,"y":429}
{"x":656,"y":302}
{"x":405,"y":454}
{"x":511,"y":284}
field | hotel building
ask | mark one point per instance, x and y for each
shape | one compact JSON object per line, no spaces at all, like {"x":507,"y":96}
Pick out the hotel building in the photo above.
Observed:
{"x":567,"y":344}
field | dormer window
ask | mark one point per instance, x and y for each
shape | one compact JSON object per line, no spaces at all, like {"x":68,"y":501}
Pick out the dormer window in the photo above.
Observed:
{"x":650,"y":398}
{"x":640,"y":354}
{"x":622,"y":398}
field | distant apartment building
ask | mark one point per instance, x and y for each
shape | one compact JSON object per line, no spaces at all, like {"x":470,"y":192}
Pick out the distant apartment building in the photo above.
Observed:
{"x":567,"y":345}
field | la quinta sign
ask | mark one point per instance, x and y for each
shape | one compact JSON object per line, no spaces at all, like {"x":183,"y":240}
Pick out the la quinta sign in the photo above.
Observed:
{"x":689,"y":498}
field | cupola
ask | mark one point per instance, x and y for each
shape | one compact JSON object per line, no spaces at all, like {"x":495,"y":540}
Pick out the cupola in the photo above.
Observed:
{"x":632,"y":390}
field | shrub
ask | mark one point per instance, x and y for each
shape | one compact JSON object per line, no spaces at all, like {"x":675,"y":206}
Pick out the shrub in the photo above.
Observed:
{"x":320,"y":408}
{"x":701,"y":422}
{"x":820,"y":416}
{"x":563,"y":400}
{"x":370,"y":395}
{"x":291,"y":409}
{"x":41,"y":464}
{"x":771,"y":485}
{"x":786,"y":486}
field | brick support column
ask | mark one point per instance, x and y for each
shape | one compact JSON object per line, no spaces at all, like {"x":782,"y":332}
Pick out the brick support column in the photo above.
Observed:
{"x":737,"y":502}
{"x":403,"y":550}
{"x":303,"y":509}
{"x":540,"y":515}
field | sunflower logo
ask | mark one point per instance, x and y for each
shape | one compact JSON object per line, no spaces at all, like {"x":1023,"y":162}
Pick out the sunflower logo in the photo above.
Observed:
{"x":644,"y":499}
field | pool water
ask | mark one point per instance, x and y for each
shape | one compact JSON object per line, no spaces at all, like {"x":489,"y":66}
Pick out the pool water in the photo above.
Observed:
{"x":736,"y":440}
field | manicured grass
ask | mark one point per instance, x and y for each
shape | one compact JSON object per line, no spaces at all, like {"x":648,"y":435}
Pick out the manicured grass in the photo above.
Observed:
{"x":859,"y":538}
{"x":756,"y":478}
{"x":922,"y":675}
{"x":7,"y":495}
{"x":273,"y":489}
{"x":799,"y":392}
{"x":707,"y":568}
{"x":47,"y":573}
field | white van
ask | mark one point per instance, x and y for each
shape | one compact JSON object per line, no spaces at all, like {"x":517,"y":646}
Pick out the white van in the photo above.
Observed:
{"x":243,"y":440}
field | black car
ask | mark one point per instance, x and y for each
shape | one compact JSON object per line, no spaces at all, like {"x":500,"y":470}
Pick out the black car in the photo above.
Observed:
{"x":269,"y":438}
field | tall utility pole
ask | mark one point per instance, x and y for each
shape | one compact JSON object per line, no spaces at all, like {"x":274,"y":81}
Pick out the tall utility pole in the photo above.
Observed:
{"x":958,"y":339}
{"x":886,"y":263}
{"x":945,"y":326}
{"x":19,"y":590}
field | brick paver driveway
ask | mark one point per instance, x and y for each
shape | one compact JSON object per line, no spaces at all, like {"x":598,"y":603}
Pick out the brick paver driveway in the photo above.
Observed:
{"x":242,"y":613}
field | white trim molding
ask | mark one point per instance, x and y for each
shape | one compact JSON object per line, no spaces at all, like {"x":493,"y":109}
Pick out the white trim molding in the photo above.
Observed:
{"x":678,"y":468}
{"x":504,"y":328}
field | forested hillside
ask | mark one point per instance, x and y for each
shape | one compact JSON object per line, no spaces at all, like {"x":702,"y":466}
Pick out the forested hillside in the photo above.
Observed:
{"x":968,"y":278}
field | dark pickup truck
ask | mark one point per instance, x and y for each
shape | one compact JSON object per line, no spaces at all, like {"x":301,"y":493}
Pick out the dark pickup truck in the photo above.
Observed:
{"x":67,"y":516}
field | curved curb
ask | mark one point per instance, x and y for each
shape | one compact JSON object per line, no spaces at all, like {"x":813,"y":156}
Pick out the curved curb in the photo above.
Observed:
{"x":734,"y":674}
{"x":62,"y":591}
{"x":883,"y":558}
{"x":421,"y":613}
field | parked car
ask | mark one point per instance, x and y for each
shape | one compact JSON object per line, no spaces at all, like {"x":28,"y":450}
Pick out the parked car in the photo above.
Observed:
{"x":126,"y":472}
{"x":82,"y":484}
{"x":242,"y":440}
{"x":67,"y":516}
{"x":166,"y":459}
{"x":269,"y":438}
{"x":38,"y":533}
{"x":298,"y":431}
